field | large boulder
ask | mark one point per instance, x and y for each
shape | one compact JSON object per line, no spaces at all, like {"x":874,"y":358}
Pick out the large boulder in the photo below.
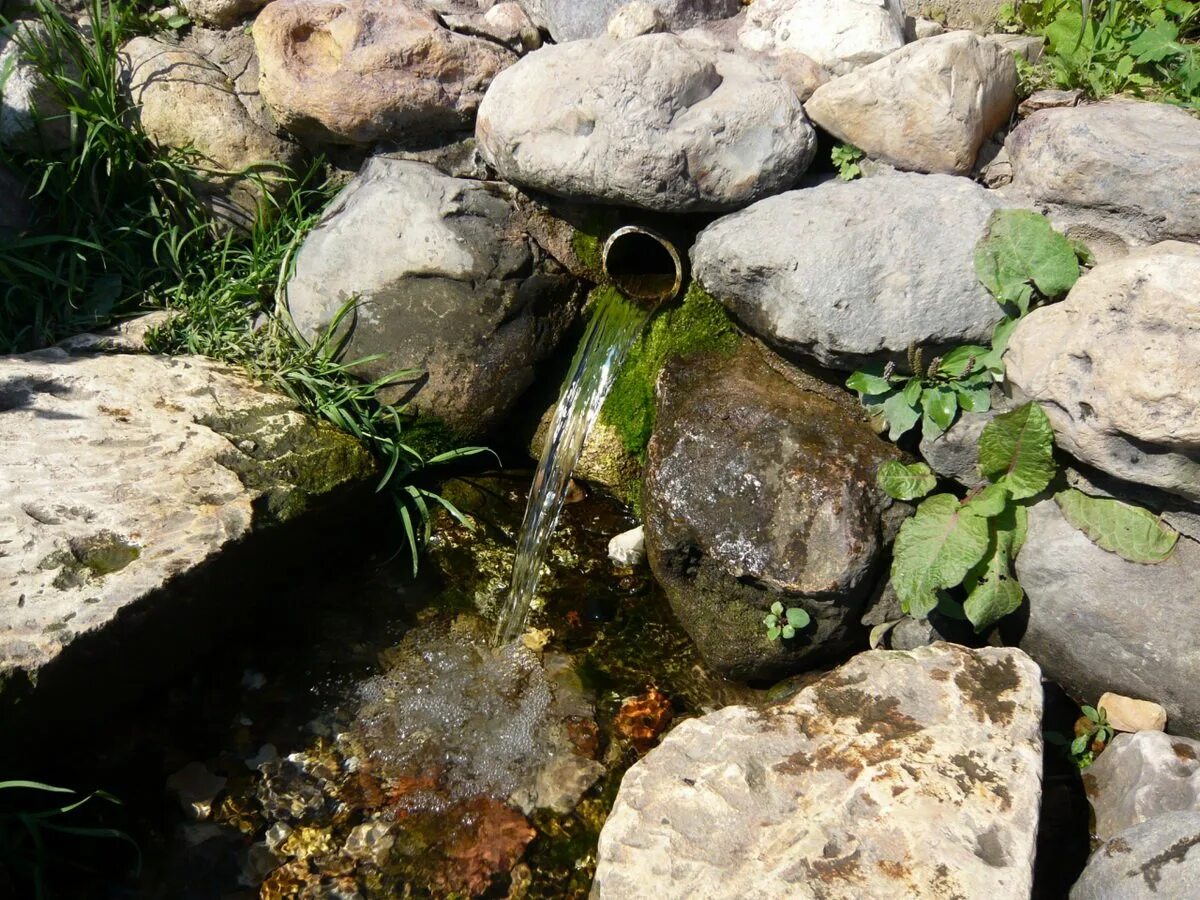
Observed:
{"x":1152,"y":861}
{"x":944,"y":96}
{"x":1125,"y":172}
{"x":1141,"y":776}
{"x":185,"y":101}
{"x":660,"y":121}
{"x":360,"y":71}
{"x":839,"y":35}
{"x":898,"y":775}
{"x":848,"y":272}
{"x":1099,"y":623}
{"x":32,"y":115}
{"x":572,"y":20}
{"x":1116,"y":366}
{"x":760,"y":487}
{"x":445,"y":280}
{"x":125,"y":473}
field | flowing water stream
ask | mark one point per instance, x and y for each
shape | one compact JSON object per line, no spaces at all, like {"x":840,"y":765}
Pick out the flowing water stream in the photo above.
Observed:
{"x":615,"y":324}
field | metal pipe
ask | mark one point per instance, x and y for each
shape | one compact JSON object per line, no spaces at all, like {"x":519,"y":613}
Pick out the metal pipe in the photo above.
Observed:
{"x":643,"y":265}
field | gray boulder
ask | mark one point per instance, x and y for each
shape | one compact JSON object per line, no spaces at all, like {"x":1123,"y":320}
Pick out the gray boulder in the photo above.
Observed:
{"x":571,"y":20}
{"x":446,"y":280}
{"x":760,"y":487}
{"x":1121,"y":172}
{"x":848,"y":272}
{"x":1156,"y":860}
{"x":32,"y":114}
{"x":1116,"y":366}
{"x":946,"y":95}
{"x":660,"y":122}
{"x":1099,"y":623}
{"x":1141,"y":776}
{"x":897,"y":775}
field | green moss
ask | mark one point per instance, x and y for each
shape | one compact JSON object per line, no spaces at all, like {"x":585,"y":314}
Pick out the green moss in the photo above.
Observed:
{"x":90,"y":557}
{"x":430,"y":437}
{"x":699,"y":323}
{"x":587,"y":248}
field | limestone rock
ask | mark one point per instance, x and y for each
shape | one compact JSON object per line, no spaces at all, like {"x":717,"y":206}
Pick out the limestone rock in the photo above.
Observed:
{"x":978,"y":15}
{"x":572,"y":20}
{"x":955,"y":452}
{"x":795,"y":69}
{"x":839,"y":35}
{"x":1141,"y":776}
{"x":1157,"y":859}
{"x":506,"y":23}
{"x":123,"y":472}
{"x":1127,"y":171}
{"x":760,"y":486}
{"x":32,"y":114}
{"x":899,"y":774}
{"x":829,"y":273}
{"x":636,"y":18}
{"x":1129,"y":714}
{"x":185,"y":101}
{"x":628,"y":548}
{"x":447,"y":282}
{"x":360,"y":71}
{"x":1116,"y":366}
{"x":1098,"y":623}
{"x":222,"y":13}
{"x":660,"y":122}
{"x":927,"y":108}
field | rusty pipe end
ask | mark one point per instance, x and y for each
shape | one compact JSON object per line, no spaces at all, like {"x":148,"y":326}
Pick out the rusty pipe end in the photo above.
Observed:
{"x":643,"y":265}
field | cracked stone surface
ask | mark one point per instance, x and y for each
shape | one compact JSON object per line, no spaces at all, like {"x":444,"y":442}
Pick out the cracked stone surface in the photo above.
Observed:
{"x":122,"y":471}
{"x":912,"y":774}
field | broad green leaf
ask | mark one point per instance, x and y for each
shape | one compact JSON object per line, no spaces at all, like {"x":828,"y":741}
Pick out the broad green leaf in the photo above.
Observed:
{"x":940,"y":405}
{"x":962,"y":360}
{"x":935,"y":550}
{"x":989,"y":502}
{"x":903,"y":482}
{"x":1020,"y":248}
{"x":992,"y":588}
{"x":788,"y":631}
{"x":1080,"y":743}
{"x":912,"y":390}
{"x":867,"y":384}
{"x":1157,"y":42}
{"x":1131,"y":532}
{"x":797,"y":617}
{"x":1017,"y":449}
{"x":900,"y":414}
{"x":773,"y":633}
{"x":974,"y":397}
{"x":777,"y":608}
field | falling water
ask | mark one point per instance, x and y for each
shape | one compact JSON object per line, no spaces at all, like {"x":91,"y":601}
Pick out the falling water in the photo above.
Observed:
{"x":615,"y":324}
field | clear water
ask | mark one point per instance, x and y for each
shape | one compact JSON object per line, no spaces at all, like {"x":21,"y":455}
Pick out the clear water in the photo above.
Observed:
{"x":615,"y":324}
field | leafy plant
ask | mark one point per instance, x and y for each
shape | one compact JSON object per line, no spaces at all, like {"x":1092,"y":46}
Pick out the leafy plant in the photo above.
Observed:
{"x":1021,"y":258}
{"x":962,"y":551}
{"x":25,"y":836}
{"x":845,"y":159}
{"x":785,"y":623}
{"x":1092,"y":735}
{"x":1146,"y":48}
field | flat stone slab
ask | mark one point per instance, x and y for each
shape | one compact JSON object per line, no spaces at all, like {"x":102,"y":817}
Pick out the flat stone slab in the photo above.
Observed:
{"x":121,"y":472}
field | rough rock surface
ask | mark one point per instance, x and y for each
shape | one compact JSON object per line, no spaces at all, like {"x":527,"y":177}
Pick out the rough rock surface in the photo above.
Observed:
{"x":955,"y":452}
{"x":944,"y":96}
{"x":1116,"y":366}
{"x":978,"y":15}
{"x":1157,"y":859}
{"x":32,"y":114}
{"x":660,"y":121}
{"x":1141,"y":776}
{"x":1124,"y":171}
{"x":185,"y":101}
{"x":222,"y":13}
{"x":899,"y":774}
{"x":849,"y":283}
{"x":760,"y":486}
{"x":1130,"y":714}
{"x":359,"y":71}
{"x":839,"y":35}
{"x":507,"y":23}
{"x":572,"y":20}
{"x":121,"y":472}
{"x":1099,"y":623}
{"x":447,"y":282}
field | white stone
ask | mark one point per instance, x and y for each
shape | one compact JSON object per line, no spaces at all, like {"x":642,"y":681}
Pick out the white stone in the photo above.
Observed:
{"x":628,"y":548}
{"x":1128,"y":714}
{"x":636,"y":18}
{"x":838,"y":34}
{"x":1142,"y":776}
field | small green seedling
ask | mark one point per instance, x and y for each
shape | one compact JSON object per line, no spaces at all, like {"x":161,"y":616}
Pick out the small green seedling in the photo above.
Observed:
{"x":1092,"y":735}
{"x":785,"y":623}
{"x":845,"y":159}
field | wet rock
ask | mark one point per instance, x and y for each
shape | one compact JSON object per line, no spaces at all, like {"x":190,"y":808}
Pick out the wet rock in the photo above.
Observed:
{"x":184,"y":101}
{"x":571,"y":20}
{"x":839,"y":35}
{"x":842,"y":790}
{"x":1141,"y":776}
{"x":196,"y":787}
{"x":1116,"y":366}
{"x":1126,"y":172}
{"x":945,"y":96}
{"x":447,"y":281}
{"x":129,"y":471}
{"x":1159,"y":858}
{"x":628,"y":548}
{"x":760,"y":486}
{"x":361,"y":71}
{"x":849,"y":285}
{"x":1128,"y":714}
{"x":640,"y":720}
{"x":33,"y":114}
{"x":1098,"y":623}
{"x":222,"y":13}
{"x":661,"y":122}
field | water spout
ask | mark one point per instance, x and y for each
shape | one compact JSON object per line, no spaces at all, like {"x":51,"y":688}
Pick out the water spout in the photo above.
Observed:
{"x":645,"y":270}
